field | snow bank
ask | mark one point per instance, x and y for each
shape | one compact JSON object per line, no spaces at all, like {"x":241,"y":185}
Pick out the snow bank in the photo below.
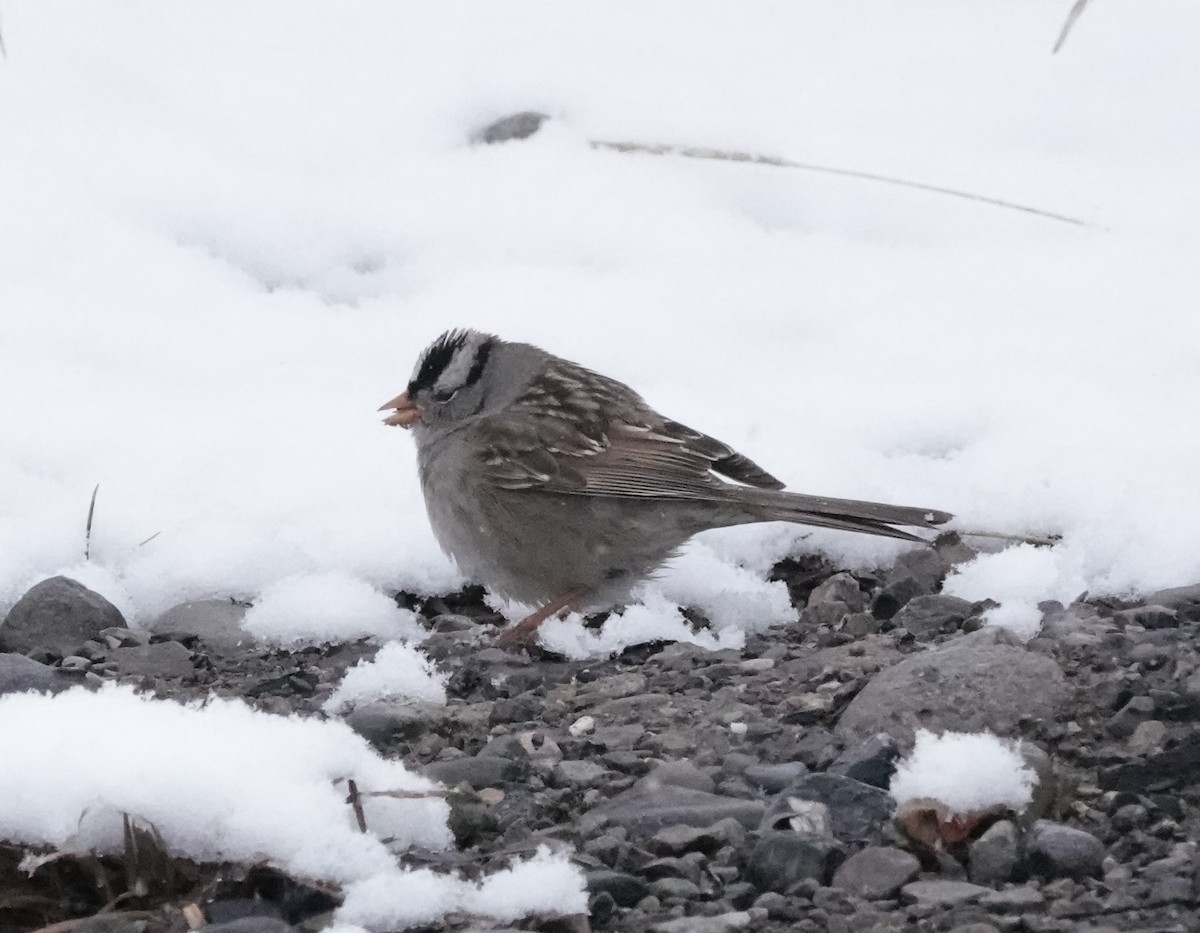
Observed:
{"x":326,"y":607}
{"x":224,"y":782}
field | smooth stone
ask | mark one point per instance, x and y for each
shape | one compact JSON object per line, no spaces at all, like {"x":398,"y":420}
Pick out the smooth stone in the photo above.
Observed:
{"x":166,"y":659}
{"x":840,"y":588}
{"x":876,"y":872}
{"x":940,"y":893}
{"x":645,"y":809}
{"x":57,"y":615}
{"x":783,"y":859}
{"x":681,"y":839}
{"x":680,"y":774}
{"x":624,"y":888}
{"x":680,"y":888}
{"x":924,"y":617}
{"x":721,"y":923}
{"x":578,"y":773}
{"x":972,"y":684}
{"x":478,"y":771}
{"x":381,"y":721}
{"x":994,"y":856}
{"x":19,"y":674}
{"x":775,"y":777}
{"x":1054,"y":850}
{"x":520,"y":125}
{"x":216,"y":622}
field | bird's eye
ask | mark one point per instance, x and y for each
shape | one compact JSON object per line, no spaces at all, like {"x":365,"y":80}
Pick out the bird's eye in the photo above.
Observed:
{"x":444,"y":395}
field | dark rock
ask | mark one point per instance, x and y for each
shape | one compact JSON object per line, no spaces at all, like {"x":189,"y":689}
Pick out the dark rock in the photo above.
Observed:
{"x":942,"y":893}
{"x":1179,"y":764}
{"x":164,"y":659}
{"x":679,"y":840}
{"x":624,"y":888}
{"x":858,"y":812}
{"x":1185,"y":600}
{"x":216,"y":622}
{"x":515,"y":126}
{"x":251,"y":925}
{"x":876,"y":872}
{"x":1151,"y":617}
{"x":993,"y":858}
{"x":926,"y":616}
{"x":782,"y":859}
{"x":478,"y":771}
{"x":871,"y":761}
{"x":383,"y":721}
{"x":601,"y":907}
{"x":1130,"y":716}
{"x":240,"y":908}
{"x":19,"y":674}
{"x":57,"y":615}
{"x":841,"y":588}
{"x":775,"y":777}
{"x":645,"y":809}
{"x":972,"y":684}
{"x":1053,"y":850}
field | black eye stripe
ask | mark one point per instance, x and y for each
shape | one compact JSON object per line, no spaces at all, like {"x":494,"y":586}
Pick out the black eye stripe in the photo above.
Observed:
{"x":481,"y":358}
{"x":436,"y":359}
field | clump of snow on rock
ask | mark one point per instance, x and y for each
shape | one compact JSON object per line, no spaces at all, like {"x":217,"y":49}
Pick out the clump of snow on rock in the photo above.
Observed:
{"x":326,"y":607}
{"x":964,"y":771}
{"x":1019,"y":578}
{"x":398,"y":671}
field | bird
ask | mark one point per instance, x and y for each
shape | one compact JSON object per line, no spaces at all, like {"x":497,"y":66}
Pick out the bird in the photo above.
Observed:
{"x":562,"y":489}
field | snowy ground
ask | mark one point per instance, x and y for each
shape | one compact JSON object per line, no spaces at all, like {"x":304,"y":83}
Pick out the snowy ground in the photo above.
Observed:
{"x":227,"y":229}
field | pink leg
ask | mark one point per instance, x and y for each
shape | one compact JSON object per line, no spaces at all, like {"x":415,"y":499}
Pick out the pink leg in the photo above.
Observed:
{"x":524,"y":631}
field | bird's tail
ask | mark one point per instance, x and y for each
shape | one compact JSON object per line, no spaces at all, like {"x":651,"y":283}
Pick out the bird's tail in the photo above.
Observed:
{"x":873,"y":518}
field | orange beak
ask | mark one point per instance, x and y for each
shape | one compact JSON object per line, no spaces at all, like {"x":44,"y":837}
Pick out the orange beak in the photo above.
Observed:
{"x":403,"y":411}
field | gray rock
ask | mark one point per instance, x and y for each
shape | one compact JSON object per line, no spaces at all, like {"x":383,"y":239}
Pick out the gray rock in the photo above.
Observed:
{"x":19,"y":674}
{"x":993,"y":858}
{"x":251,"y":925}
{"x":1148,"y":617}
{"x":858,"y":812}
{"x":942,"y":893}
{"x":578,"y":773}
{"x":478,"y":771}
{"x":972,"y":684}
{"x":679,"y":840}
{"x":775,"y":777}
{"x":166,"y":659}
{"x":382,"y":721}
{"x":57,"y":615}
{"x":1185,"y":600}
{"x":680,"y":774}
{"x":1150,"y":736}
{"x":680,"y":888}
{"x":624,"y":888}
{"x":840,"y":588}
{"x":645,"y":809}
{"x":1013,"y":900}
{"x":1053,"y":850}
{"x":926,"y":616}
{"x":216,"y":622}
{"x":1045,"y":787}
{"x":781,"y":860}
{"x":876,"y":872}
{"x":871,"y":761}
{"x":515,"y":126}
{"x":1125,"y":720}
{"x":721,"y":923}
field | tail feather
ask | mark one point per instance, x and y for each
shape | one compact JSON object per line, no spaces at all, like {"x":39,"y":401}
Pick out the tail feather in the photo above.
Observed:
{"x":874,"y":518}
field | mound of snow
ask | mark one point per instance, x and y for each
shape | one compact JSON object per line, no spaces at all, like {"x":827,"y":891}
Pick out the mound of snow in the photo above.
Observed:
{"x":964,"y":771}
{"x":326,"y":607}
{"x":398,"y":671}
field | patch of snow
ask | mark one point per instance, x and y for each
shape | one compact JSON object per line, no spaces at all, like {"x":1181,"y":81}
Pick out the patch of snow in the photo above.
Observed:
{"x":326,"y":607}
{"x":964,"y":771}
{"x":398,"y":671}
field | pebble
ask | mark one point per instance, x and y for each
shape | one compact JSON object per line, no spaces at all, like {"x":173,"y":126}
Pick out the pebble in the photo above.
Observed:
{"x":645,"y":809}
{"x":857,"y":811}
{"x":876,"y":872}
{"x":722,"y":923}
{"x":1054,"y":850}
{"x":584,"y":725}
{"x":941,"y":893}
{"x":993,"y":857}
{"x":166,"y":659}
{"x":774,"y":777}
{"x":781,"y":859}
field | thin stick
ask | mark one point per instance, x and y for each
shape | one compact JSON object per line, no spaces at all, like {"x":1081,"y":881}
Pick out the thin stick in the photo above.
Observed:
{"x":1035,"y":540}
{"x":699,"y":152}
{"x":1076,"y":10}
{"x":87,"y":539}
{"x":355,"y":800}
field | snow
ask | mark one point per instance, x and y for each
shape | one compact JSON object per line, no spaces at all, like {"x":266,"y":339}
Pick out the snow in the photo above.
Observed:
{"x":398,"y":671}
{"x":326,"y":607}
{"x":257,"y":786}
{"x":964,"y":771}
{"x":228,"y":229}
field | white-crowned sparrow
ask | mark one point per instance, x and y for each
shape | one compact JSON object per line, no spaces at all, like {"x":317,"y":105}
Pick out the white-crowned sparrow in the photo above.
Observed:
{"x":559,"y":487}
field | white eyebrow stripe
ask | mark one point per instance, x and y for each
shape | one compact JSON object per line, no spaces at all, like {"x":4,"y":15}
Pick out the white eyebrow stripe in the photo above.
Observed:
{"x":455,"y":373}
